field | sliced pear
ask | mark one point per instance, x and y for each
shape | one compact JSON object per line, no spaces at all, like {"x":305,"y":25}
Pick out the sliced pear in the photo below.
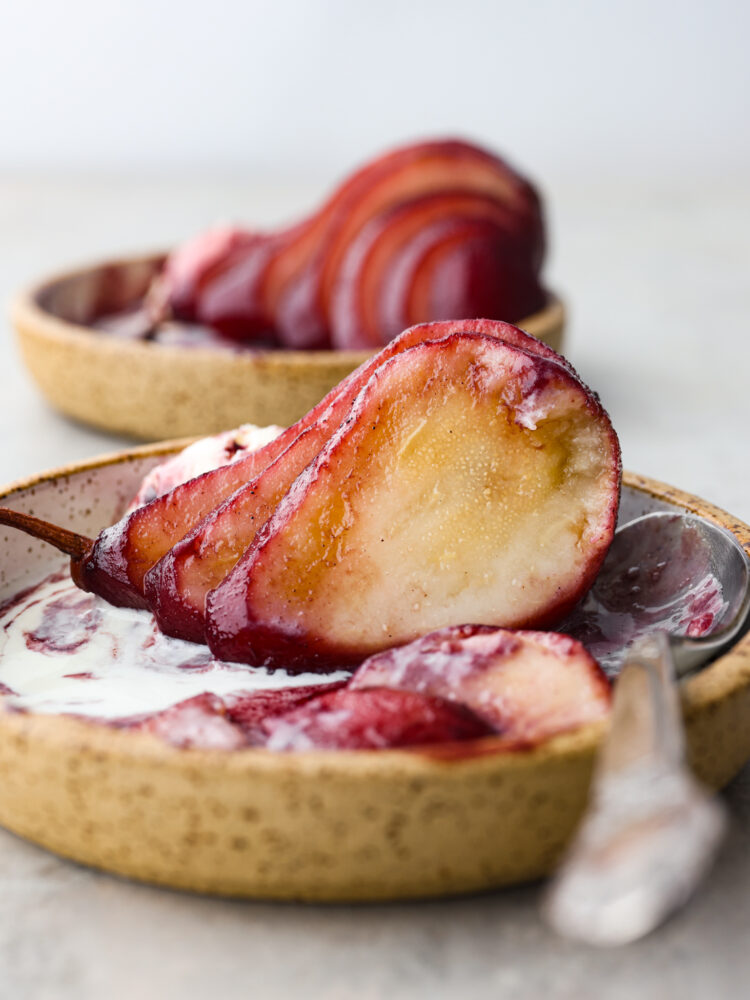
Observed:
{"x":177,"y":585}
{"x":528,"y":686}
{"x":372,"y":719}
{"x":472,"y":481}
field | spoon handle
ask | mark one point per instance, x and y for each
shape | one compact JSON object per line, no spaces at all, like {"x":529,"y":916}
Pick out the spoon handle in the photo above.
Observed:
{"x":651,"y":831}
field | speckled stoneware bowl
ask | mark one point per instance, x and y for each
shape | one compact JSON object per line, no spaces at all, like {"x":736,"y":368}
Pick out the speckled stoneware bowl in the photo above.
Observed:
{"x":154,"y":391}
{"x":316,"y":825}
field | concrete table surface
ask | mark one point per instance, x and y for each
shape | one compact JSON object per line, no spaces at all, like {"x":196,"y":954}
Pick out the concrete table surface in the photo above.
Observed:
{"x":656,"y":276}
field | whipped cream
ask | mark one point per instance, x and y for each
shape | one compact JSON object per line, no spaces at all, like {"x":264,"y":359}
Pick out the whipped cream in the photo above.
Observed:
{"x":202,"y":456}
{"x":65,"y":651}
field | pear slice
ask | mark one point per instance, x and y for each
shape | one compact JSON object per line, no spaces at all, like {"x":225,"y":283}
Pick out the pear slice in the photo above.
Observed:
{"x":115,"y":564}
{"x":471,"y":481}
{"x":529,"y":686}
{"x":177,"y":585}
{"x":371,"y":719}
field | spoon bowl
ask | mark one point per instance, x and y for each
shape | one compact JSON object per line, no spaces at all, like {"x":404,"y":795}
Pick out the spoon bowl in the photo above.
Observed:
{"x":673,"y":592}
{"x":666,"y":572}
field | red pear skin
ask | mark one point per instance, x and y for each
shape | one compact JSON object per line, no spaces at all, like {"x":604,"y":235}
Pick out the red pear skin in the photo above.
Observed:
{"x":229,"y":723}
{"x":472,"y":479}
{"x":303,"y":311}
{"x":123,"y":553}
{"x":126,"y":551}
{"x":460,"y":265}
{"x":189,"y":269}
{"x":231,"y":300}
{"x":177,"y":585}
{"x":529,"y":686}
{"x":372,"y":719}
{"x":355,"y":300}
{"x":277,"y":287}
{"x":250,"y":711}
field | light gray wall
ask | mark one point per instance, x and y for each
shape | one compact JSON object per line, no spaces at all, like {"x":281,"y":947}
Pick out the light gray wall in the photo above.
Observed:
{"x":312,"y":86}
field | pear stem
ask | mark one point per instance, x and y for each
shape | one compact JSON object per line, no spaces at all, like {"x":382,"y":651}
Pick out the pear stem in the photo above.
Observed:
{"x":69,"y":542}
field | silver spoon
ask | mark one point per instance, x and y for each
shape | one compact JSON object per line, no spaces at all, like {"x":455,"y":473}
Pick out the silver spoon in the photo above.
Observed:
{"x":673,"y":592}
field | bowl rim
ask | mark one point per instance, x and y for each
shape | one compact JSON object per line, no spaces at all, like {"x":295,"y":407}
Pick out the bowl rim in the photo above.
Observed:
{"x":27,"y":311}
{"x":727,"y":674}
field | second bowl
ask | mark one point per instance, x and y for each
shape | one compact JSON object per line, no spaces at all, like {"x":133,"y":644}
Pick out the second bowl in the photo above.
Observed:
{"x":155,"y":390}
